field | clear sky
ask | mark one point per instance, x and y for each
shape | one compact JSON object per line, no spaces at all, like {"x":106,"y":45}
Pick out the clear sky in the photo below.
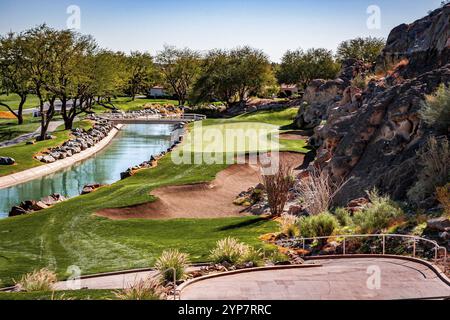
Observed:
{"x":273,"y":26}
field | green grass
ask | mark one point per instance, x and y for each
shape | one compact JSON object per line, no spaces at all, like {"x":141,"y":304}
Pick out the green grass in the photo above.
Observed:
{"x":60,"y":295}
{"x":9,"y":129}
{"x":70,"y":234}
{"x":23,"y":154}
{"x":13,"y":101}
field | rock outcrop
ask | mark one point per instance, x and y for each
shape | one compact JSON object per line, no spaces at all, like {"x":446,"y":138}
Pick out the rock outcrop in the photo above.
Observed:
{"x":371,"y":137}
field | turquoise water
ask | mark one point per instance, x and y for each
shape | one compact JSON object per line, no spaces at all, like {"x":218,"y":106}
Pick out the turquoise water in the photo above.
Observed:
{"x":132,"y":146}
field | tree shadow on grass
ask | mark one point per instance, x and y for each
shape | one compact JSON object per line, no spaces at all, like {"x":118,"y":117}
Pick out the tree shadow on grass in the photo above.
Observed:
{"x":247,"y":223}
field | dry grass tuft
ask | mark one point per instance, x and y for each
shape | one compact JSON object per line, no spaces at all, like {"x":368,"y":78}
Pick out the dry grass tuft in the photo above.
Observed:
{"x":38,"y":280}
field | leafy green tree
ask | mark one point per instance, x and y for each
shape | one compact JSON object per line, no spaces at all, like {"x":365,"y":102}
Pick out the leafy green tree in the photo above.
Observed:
{"x":139,"y":69}
{"x":180,"y":69}
{"x":300,"y":67}
{"x":14,"y":77}
{"x":364,"y":49}
{"x":70,"y":73}
{"x":110,"y":77}
{"x":232,"y":76}
{"x":40,"y":44}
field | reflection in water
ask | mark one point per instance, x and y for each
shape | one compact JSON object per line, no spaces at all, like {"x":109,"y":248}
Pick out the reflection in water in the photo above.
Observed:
{"x":132,"y":146}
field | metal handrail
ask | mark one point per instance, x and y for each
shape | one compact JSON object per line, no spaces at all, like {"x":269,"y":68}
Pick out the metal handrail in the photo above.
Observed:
{"x":437,"y":248}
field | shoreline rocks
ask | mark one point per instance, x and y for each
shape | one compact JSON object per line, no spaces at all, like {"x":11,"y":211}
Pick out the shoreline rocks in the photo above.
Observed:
{"x":30,"y":206}
{"x":89,"y":188}
{"x":81,"y":141}
{"x":7,"y":161}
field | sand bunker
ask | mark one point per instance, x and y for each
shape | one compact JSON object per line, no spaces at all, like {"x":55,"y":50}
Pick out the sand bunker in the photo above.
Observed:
{"x":205,"y":200}
{"x":294,"y":135}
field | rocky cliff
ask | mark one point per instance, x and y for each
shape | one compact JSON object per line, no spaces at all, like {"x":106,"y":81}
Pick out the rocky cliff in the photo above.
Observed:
{"x":371,"y":135}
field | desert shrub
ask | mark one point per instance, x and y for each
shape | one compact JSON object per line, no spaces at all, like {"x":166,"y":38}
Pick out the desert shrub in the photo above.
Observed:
{"x":443,"y":196}
{"x":321,"y":225}
{"x":277,"y":186}
{"x":288,"y":225}
{"x":149,"y":289}
{"x":38,"y":280}
{"x":435,"y":160}
{"x":228,"y":250}
{"x":435,"y":110}
{"x":170,"y":261}
{"x":343,"y":217}
{"x":379,"y":215}
{"x":276,"y":257}
{"x":317,"y":191}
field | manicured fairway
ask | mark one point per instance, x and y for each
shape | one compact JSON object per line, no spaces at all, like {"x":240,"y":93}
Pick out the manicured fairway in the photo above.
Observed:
{"x":70,"y":234}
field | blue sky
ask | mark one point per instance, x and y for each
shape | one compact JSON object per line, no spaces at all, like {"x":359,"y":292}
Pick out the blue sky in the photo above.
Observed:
{"x":273,"y":26}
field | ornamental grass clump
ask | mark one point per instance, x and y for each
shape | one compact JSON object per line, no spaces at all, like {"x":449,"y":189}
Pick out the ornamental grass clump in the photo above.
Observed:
{"x":38,"y":280}
{"x":172,"y":261}
{"x":149,"y":289}
{"x":229,"y":250}
{"x":254,"y":257}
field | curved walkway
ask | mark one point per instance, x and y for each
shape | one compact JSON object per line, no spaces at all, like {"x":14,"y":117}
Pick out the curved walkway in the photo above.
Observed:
{"x":337,"y":279}
{"x":27,"y":136}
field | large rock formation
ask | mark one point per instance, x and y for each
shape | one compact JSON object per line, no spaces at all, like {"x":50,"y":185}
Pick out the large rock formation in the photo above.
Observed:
{"x":371,"y":137}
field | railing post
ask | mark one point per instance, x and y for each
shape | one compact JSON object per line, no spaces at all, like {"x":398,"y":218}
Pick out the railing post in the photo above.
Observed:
{"x":343,"y":248}
{"x":414,"y":247}
{"x":435,"y":254}
{"x":384,"y":244}
{"x":303,"y":241}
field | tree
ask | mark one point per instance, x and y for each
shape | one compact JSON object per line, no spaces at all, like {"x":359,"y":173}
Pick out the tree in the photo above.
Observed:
{"x":139,"y":68}
{"x":70,"y":73}
{"x":14,"y":77}
{"x":39,"y":52}
{"x":300,"y":67}
{"x":180,"y":69}
{"x":364,"y":49}
{"x":232,"y":76}
{"x":110,"y":77}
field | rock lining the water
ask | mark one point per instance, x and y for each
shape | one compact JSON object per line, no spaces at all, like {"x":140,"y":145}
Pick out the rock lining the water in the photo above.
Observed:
{"x":7,"y":161}
{"x":30,"y":206}
{"x":81,"y":141}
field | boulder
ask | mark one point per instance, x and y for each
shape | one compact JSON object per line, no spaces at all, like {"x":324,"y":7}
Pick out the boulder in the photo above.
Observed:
{"x":439,"y":224}
{"x":47,"y":159}
{"x":90,"y":188}
{"x":17,"y":211}
{"x":7,"y":161}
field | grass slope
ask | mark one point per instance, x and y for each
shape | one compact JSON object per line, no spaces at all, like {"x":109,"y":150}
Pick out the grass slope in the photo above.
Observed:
{"x":69,"y":234}
{"x":9,"y":129}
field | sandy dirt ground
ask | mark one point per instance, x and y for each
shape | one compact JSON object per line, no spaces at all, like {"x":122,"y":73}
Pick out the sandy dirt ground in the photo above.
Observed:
{"x":205,"y":200}
{"x":294,"y":135}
